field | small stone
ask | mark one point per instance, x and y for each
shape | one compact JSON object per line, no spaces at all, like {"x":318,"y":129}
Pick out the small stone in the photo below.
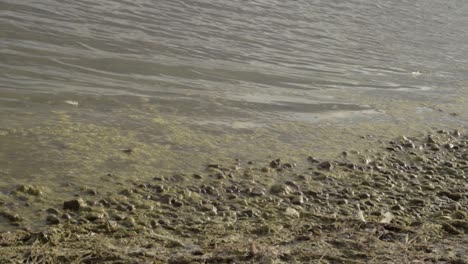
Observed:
{"x":52,"y":220}
{"x":12,"y":217}
{"x":177,"y":203}
{"x":74,"y":205}
{"x":91,"y":192}
{"x":417,"y":202}
{"x":456,"y":133}
{"x":313,"y":159}
{"x":298,"y":200}
{"x":289,"y":165}
{"x":326,"y":165}
{"x":449,"y":164}
{"x":232,"y":196}
{"x":93,"y":216}
{"x":364,"y":196}
{"x":275,"y":163}
{"x":265,"y":169}
{"x":214,"y":166}
{"x":387,"y":218}
{"x":209,"y":190}
{"x":30,"y":189}
{"x":434,"y":147}
{"x":428,"y":186}
{"x":256,"y":192}
{"x":129,"y":222}
{"x":127,"y":150}
{"x":431,"y":140}
{"x":210,"y":208}
{"x":291,"y":212}
{"x":118,"y":216}
{"x":53,"y":211}
{"x":342,"y":202}
{"x":448,"y":146}
{"x":397,"y":207}
{"x":453,"y":196}
{"x":280,"y":189}
{"x":220,"y":175}
{"x":126,"y":192}
{"x":303,"y":177}
{"x":163,"y":222}
{"x":159,"y":188}
{"x":167,"y":199}
{"x":249,"y":213}
{"x":66,"y":216}
{"x":105,"y":202}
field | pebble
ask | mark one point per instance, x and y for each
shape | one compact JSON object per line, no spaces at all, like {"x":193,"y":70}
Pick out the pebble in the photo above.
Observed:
{"x":74,"y":205}
{"x":275,"y":164}
{"x":289,"y":165}
{"x":364,"y":196}
{"x":397,"y":207}
{"x":93,"y":216}
{"x":30,"y":189}
{"x":12,"y":217}
{"x":66,"y":216}
{"x":53,"y":211}
{"x":326,"y":165}
{"x":129,"y":222}
{"x":52,"y":220}
{"x":298,"y":200}
{"x":313,"y":159}
{"x":280,"y":189}
{"x":249,"y":213}
{"x":417,"y":202}
{"x":291,"y":212}
{"x":210,"y":208}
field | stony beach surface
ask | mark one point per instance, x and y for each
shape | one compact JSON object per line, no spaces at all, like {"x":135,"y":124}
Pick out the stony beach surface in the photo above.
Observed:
{"x":404,"y":203}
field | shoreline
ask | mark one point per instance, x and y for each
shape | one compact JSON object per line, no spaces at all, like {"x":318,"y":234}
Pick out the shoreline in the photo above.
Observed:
{"x":366,"y":207}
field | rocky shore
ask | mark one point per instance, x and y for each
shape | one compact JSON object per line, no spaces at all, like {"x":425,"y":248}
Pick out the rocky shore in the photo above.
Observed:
{"x":404,"y":203}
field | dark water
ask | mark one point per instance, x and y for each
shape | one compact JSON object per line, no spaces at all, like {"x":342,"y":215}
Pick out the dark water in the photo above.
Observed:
{"x":190,"y":82}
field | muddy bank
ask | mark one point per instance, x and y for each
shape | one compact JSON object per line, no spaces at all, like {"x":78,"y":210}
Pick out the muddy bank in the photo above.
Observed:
{"x":403,"y":203}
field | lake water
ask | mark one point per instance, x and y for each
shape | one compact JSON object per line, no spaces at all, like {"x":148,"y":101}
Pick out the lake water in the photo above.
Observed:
{"x":183,"y":83}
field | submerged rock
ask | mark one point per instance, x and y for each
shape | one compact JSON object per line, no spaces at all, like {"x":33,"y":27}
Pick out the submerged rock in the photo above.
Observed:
{"x":30,"y":189}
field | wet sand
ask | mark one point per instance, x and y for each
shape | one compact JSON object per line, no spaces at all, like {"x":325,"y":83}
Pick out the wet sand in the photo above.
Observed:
{"x":403,"y":202}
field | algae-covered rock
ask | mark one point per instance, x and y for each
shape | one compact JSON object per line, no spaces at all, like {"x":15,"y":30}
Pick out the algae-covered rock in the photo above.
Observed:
{"x":30,"y":189}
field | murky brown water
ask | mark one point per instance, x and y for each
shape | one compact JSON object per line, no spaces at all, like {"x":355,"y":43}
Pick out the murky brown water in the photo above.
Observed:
{"x":184,"y":83}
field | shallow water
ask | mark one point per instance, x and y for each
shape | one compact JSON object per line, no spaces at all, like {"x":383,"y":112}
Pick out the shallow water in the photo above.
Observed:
{"x":185,"y":83}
